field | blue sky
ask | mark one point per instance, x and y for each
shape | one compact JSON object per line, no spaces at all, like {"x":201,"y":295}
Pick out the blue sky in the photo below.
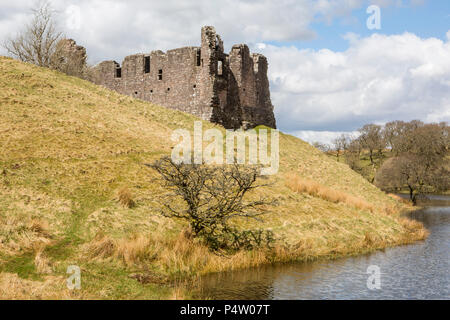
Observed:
{"x":328,"y":72}
{"x":430,"y":19}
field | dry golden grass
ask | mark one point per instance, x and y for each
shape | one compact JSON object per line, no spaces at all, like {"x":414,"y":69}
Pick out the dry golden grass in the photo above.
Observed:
{"x":400,"y":199}
{"x":68,"y":148}
{"x":14,"y":288}
{"x":178,"y":293}
{"x":315,"y":189}
{"x":415,"y":229}
{"x":178,"y":255}
{"x":29,"y":218}
{"x":18,"y":234}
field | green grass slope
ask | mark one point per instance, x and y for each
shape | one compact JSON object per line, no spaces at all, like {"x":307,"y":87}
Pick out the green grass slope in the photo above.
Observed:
{"x":68,"y":147}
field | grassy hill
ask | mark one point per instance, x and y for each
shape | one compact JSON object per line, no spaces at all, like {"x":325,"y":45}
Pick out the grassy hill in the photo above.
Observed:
{"x":68,"y":147}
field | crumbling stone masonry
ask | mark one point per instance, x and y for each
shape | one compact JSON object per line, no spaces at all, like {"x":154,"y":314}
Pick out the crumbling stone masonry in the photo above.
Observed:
{"x":229,"y":89}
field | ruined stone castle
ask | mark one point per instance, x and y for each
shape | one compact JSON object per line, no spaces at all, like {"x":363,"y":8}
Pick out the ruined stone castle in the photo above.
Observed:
{"x":229,"y":89}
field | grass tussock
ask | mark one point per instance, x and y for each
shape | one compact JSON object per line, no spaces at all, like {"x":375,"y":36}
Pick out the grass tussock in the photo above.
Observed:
{"x":178,"y":293}
{"x":415,"y":229}
{"x":18,"y":234}
{"x":126,"y":198}
{"x":400,"y":199}
{"x":315,"y":189}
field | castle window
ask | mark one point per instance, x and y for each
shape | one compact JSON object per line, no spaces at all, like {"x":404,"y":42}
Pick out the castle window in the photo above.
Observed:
{"x":146,"y":64}
{"x":195,"y":86}
{"x":199,"y":54}
{"x":135,"y":92}
{"x":220,"y":67}
{"x":118,"y":72}
{"x":168,"y":89}
{"x":151,"y":91}
{"x":160,"y":74}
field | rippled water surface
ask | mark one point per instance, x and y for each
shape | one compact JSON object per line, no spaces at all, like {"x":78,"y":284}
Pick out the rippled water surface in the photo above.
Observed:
{"x":417,"y":271}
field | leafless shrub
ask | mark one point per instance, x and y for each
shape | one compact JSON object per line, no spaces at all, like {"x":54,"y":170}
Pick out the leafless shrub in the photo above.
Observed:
{"x":212,"y":196}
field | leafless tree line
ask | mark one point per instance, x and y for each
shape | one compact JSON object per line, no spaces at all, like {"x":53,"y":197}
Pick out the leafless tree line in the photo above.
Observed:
{"x":411,"y":156}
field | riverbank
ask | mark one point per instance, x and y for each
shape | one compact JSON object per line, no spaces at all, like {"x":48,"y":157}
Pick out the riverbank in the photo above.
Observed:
{"x":72,"y":150}
{"x":402,"y":270}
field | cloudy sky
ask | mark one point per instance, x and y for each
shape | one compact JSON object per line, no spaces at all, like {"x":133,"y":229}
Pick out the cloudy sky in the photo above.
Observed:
{"x":329,"y":73}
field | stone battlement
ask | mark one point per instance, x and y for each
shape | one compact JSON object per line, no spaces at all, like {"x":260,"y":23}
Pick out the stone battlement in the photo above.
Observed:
{"x":229,"y":89}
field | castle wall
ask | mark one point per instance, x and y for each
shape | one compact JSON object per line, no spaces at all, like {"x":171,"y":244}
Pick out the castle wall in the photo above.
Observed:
{"x":204,"y":81}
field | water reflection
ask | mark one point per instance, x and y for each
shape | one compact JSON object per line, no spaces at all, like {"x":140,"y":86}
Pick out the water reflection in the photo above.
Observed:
{"x":418,"y":271}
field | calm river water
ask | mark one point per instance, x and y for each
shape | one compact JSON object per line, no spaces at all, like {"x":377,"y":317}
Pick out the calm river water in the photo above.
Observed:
{"x":417,"y":271}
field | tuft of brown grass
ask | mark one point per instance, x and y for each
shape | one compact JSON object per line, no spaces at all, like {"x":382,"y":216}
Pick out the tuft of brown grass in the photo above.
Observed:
{"x":40,"y":227}
{"x":315,"y":189}
{"x":415,"y":229}
{"x":101,"y":247}
{"x":41,"y":261}
{"x":18,"y":234}
{"x":126,"y":198}
{"x":400,"y":199}
{"x":178,"y":293}
{"x":134,"y":250}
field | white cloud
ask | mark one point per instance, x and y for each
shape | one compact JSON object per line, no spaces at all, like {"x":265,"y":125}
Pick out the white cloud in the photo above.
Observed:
{"x":326,"y":137}
{"x":398,"y":3}
{"x":378,"y":79}
{"x":112,"y":29}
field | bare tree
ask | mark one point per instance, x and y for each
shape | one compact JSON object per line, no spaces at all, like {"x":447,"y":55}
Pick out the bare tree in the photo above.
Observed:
{"x":211,"y":197}
{"x":427,"y":141}
{"x":422,"y":164}
{"x":42,"y":44}
{"x":371,"y":139}
{"x":392,"y":132}
{"x":38,"y":41}
{"x":321,"y":146}
{"x":409,"y":171}
{"x":352,"y":155}
{"x":341,"y":144}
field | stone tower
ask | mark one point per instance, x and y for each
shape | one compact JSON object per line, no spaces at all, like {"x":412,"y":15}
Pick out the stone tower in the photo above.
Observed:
{"x":229,"y":89}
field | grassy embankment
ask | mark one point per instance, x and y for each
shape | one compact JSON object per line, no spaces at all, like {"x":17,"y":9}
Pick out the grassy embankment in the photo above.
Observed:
{"x":69,"y":148}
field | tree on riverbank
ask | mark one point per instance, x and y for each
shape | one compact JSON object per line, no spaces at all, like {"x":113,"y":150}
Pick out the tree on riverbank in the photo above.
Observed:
{"x":412,"y":172}
{"x":400,"y":156}
{"x":422,"y":162}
